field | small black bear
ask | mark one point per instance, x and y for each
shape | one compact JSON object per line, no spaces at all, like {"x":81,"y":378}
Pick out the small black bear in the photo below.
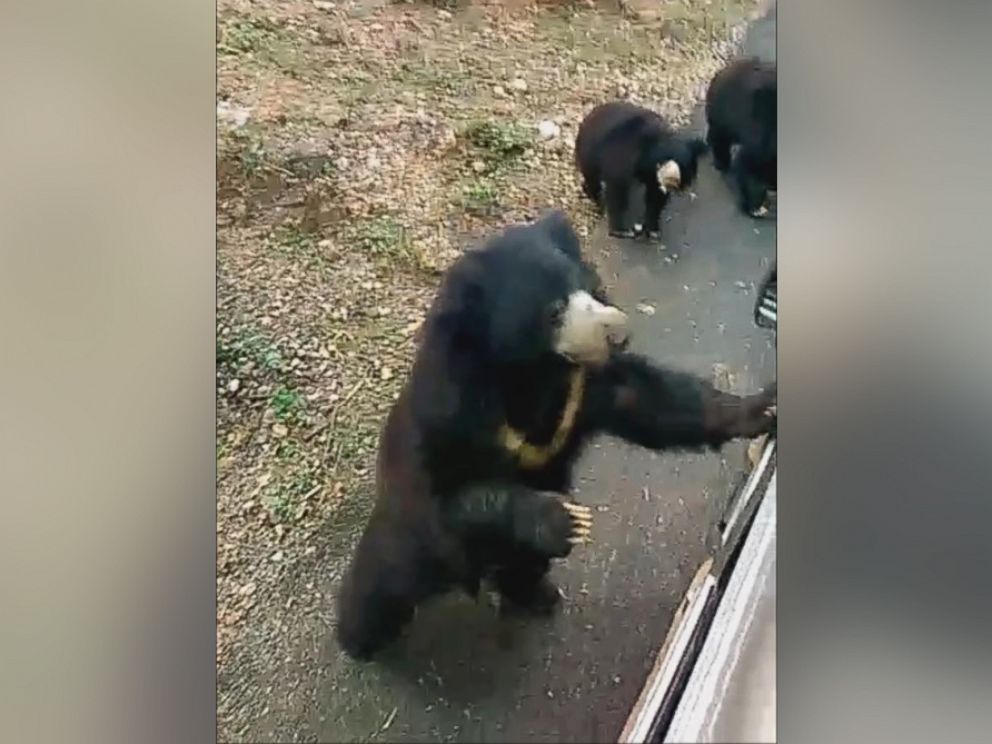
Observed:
{"x":742,"y":109}
{"x":519,"y":366}
{"x":621,"y":143}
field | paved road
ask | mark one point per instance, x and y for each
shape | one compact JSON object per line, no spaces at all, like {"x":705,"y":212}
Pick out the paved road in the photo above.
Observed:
{"x":462,"y":675}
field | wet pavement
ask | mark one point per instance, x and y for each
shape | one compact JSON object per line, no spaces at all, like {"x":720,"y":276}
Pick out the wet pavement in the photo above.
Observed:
{"x":464,"y":675}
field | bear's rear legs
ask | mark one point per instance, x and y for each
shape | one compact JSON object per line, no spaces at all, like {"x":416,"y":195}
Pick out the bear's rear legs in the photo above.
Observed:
{"x":592,"y":186}
{"x":523,"y":585}
{"x":367,"y":624}
{"x":719,"y":144}
{"x":752,"y":190}
{"x":390,"y":575}
{"x":617,"y":193}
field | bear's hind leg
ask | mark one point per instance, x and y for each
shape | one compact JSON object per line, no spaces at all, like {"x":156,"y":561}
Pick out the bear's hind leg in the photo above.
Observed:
{"x":368,"y":623}
{"x":752,"y":191}
{"x":719,"y":143}
{"x":389,"y":576}
{"x":617,"y":192}
{"x":592,"y":186}
{"x":523,"y":584}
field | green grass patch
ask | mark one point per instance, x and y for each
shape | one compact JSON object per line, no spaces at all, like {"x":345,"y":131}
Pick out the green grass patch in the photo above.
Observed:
{"x":382,"y":236}
{"x":480,"y":196}
{"x":288,"y":451}
{"x":246,"y":149}
{"x":432,"y":77}
{"x":263,"y":42}
{"x":291,"y":238}
{"x":287,"y":404}
{"x":285,"y":498}
{"x":498,"y":140}
{"x":248,"y":345}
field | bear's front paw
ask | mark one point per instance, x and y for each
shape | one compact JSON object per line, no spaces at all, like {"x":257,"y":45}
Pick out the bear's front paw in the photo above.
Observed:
{"x":566,"y":525}
{"x":759,"y":412}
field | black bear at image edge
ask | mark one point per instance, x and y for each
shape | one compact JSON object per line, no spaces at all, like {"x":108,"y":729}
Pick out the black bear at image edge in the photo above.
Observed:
{"x":742,"y":109}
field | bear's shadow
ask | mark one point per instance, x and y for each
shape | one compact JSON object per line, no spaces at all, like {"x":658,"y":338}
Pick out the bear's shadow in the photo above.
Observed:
{"x":463,"y":650}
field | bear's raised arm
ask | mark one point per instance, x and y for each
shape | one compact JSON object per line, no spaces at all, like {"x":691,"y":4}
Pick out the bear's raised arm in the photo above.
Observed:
{"x":658,"y":408}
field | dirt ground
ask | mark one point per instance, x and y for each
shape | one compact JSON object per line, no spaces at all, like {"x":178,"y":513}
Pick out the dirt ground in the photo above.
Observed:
{"x":361,"y":147}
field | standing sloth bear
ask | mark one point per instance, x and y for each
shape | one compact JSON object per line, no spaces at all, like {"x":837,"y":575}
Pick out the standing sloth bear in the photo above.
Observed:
{"x":521,"y":361}
{"x":742,"y":109}
{"x":620,"y":144}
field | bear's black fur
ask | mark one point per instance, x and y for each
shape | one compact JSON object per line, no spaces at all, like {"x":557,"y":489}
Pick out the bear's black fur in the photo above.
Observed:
{"x":456,"y":504}
{"x":742,"y":109}
{"x":620,"y":143}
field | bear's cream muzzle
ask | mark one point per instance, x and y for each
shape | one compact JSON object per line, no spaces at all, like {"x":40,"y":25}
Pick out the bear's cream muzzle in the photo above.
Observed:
{"x":589,"y":330}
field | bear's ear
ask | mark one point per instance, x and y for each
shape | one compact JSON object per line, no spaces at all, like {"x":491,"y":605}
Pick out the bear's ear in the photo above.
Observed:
{"x":460,"y":308}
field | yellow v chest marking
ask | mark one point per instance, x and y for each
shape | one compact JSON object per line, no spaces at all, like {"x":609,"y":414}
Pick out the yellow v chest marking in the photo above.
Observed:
{"x":532,"y":456}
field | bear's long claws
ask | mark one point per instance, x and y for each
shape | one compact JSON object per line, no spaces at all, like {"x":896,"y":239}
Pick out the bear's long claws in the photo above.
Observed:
{"x":581,"y":522}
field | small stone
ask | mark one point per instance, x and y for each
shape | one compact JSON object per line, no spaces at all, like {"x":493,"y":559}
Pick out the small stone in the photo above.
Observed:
{"x":499,"y":91}
{"x":386,"y":374}
{"x":233,"y":385}
{"x":519,"y":85}
{"x":548,"y":130}
{"x":280,"y":531}
{"x":277,"y":556}
{"x":478,"y":166}
{"x":722,"y":377}
{"x":248,"y":589}
{"x":674,"y":30}
{"x":646,"y":309}
{"x":234,"y":117}
{"x":279,"y":430}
